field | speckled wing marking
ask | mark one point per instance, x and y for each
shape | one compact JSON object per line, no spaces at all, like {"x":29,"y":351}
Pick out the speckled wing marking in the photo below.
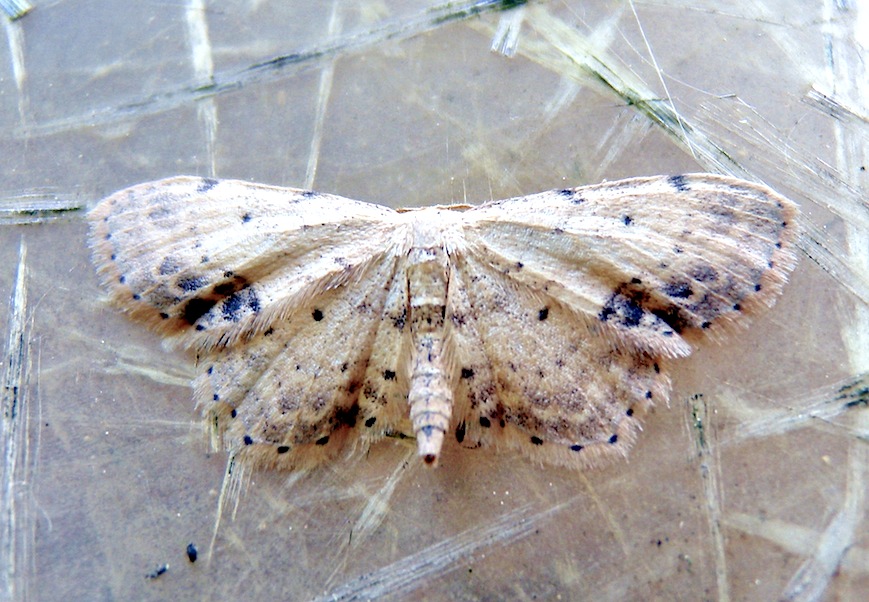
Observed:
{"x":295,"y":302}
{"x":565,"y":305}
{"x":541,"y":323}
{"x":292,"y":394}
{"x":206,"y":262}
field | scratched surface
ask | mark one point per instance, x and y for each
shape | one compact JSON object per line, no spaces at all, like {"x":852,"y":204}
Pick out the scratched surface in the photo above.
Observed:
{"x":751,"y":485}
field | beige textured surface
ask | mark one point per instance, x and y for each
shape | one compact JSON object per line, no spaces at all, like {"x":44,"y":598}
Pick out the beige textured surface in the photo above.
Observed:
{"x":750,"y":486}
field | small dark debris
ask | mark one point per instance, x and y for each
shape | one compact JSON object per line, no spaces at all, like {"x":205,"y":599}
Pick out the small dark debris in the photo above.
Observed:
{"x":157,"y":572}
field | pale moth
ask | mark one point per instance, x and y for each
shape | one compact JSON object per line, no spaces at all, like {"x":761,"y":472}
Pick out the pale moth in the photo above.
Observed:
{"x":540,"y":323}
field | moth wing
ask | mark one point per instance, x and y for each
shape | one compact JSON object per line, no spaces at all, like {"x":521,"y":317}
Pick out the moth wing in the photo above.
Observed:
{"x":206,"y":262}
{"x":531,"y":374}
{"x":563,"y":306}
{"x":658,"y":263}
{"x":293,"y":393}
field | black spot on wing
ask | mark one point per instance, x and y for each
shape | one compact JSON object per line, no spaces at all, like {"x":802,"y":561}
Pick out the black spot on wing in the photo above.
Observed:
{"x":704,"y":273}
{"x":192,"y":283}
{"x":672,"y":316}
{"x":196,"y":308}
{"x":624,"y":307}
{"x":630,"y":302}
{"x":235,"y":284}
{"x":460,"y":432}
{"x":169,"y":266}
{"x":679,"y":183}
{"x":235,"y":294}
{"x":571,"y":195}
{"x":240,"y":302}
{"x":681,"y":290}
{"x":206,"y":184}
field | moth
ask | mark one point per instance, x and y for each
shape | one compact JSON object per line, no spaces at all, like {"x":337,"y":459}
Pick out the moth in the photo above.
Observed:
{"x":541,"y":323}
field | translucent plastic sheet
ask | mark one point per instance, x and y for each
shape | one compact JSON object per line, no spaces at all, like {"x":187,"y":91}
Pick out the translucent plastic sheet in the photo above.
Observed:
{"x":751,"y":485}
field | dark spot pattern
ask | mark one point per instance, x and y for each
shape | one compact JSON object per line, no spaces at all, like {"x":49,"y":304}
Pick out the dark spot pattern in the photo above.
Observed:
{"x":282,"y":449}
{"x":240,"y":303}
{"x":428,"y":430}
{"x":169,"y":266}
{"x":672,"y":317}
{"x":192,"y":283}
{"x":460,"y":432}
{"x":388,"y":375}
{"x":681,"y":290}
{"x":192,"y":552}
{"x":485,"y":422}
{"x":247,"y":440}
{"x":196,"y":308}
{"x":467,"y":373}
{"x":630,"y":301}
{"x":627,"y":220}
{"x":543,"y":314}
{"x":704,"y":273}
{"x":623,"y":306}
{"x":536,"y":440}
{"x":317,"y":315}
{"x":370,"y":421}
{"x":679,"y":183}
{"x":235,"y":284}
{"x":206,"y":184}
{"x":347,"y":416}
